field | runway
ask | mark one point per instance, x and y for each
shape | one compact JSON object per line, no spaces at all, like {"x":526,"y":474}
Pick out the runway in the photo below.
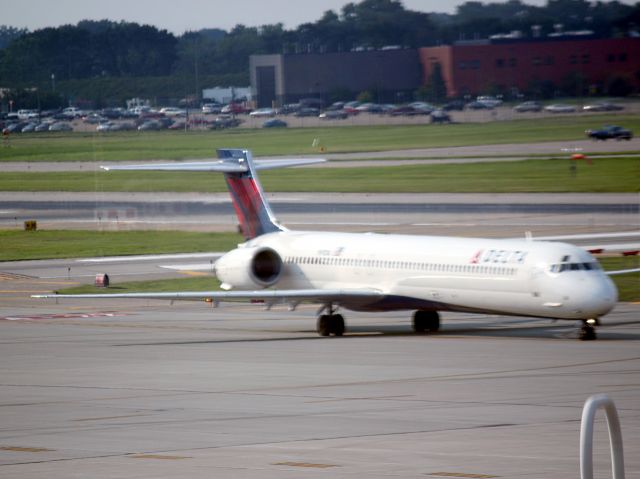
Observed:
{"x":122,"y":389}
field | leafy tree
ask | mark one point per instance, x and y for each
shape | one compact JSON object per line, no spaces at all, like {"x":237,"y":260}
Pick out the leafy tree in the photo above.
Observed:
{"x":435,"y":89}
{"x":8,"y":34}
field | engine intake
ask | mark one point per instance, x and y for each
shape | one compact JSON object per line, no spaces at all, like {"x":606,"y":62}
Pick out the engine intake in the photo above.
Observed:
{"x":266,"y":266}
{"x":246,"y":268}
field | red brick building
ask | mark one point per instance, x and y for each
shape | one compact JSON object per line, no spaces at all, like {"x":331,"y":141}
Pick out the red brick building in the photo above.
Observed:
{"x":480,"y":68}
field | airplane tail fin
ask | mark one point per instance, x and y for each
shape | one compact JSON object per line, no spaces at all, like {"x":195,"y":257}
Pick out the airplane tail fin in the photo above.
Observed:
{"x":252,"y":209}
{"x":239,"y":169}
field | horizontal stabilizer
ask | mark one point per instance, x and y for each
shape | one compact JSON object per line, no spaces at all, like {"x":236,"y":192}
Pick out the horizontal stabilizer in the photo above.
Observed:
{"x":227,"y":165}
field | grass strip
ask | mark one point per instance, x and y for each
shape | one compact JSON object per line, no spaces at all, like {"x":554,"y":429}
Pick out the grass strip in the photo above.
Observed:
{"x":174,"y":145}
{"x":615,"y":174}
{"x":51,"y":244}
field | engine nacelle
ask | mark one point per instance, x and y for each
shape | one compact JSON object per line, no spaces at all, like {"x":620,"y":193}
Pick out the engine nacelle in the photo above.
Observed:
{"x":249,"y":268}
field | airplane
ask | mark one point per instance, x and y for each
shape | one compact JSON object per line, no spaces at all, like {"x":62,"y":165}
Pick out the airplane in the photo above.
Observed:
{"x":387,"y":272}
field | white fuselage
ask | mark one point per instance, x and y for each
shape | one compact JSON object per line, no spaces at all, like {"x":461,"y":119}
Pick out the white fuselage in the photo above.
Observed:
{"x":515,"y":277}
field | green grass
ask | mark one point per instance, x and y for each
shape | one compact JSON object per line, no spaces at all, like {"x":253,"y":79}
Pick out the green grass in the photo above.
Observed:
{"x":614,"y":174}
{"x":628,"y":284}
{"x":199,"y":283}
{"x":138,"y":146}
{"x":23,"y":245}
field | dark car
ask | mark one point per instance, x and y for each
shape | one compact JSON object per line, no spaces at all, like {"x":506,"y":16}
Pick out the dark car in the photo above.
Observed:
{"x":610,"y":132}
{"x":274,"y":123}
{"x":453,"y":105}
{"x":334,"y":115}
{"x":479,"y":105}
{"x":307,"y":111}
{"x":439,"y":116}
{"x":224,"y":121}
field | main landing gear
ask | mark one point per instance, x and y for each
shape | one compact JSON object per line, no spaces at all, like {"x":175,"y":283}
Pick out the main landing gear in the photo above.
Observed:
{"x":588,"y":330}
{"x":426,"y":321}
{"x":330,"y":324}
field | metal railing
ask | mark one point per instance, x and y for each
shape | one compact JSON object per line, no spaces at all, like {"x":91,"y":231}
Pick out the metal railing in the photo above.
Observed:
{"x":586,"y":436}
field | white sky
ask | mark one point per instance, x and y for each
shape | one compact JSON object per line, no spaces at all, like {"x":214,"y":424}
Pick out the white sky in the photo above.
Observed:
{"x":178,"y":16}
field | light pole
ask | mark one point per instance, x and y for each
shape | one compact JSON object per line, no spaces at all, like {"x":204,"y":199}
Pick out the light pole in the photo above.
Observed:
{"x":53,"y":82}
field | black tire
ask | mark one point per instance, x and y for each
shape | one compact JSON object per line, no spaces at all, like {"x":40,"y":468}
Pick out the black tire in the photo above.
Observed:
{"x":337,"y":325}
{"x":587,"y":333}
{"x":324,"y":325}
{"x":426,"y":321}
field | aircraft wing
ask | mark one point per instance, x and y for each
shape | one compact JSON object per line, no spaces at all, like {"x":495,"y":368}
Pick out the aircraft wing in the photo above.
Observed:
{"x":623,"y":271}
{"x":270,"y":297}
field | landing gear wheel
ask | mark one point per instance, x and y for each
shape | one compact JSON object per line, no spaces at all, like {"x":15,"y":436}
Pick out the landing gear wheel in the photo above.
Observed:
{"x":337,"y":328}
{"x":587,"y":332}
{"x":426,"y":321}
{"x":329,"y":324}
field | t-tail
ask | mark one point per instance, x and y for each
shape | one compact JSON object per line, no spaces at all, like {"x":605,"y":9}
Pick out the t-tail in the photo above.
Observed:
{"x":252,"y":208}
{"x":239,"y":169}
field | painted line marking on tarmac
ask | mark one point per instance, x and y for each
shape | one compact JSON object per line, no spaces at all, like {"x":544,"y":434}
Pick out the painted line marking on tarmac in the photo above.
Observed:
{"x":304,"y":464}
{"x":461,"y":474}
{"x":106,"y":314}
{"x":25,"y":449}
{"x":159,"y":456}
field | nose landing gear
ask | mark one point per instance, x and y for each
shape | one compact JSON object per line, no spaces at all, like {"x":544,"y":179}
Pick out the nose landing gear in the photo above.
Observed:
{"x":588,"y":330}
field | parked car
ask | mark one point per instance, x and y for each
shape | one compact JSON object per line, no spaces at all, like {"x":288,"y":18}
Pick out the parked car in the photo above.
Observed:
{"x":274,"y":123}
{"x":404,"y":110}
{"x":453,"y":105}
{"x":602,"y":106}
{"x":60,"y":126}
{"x":234,"y":108}
{"x":307,"y":111}
{"x":42,"y":127}
{"x":150,"y":125}
{"x":172,"y":111}
{"x":422,"y":107}
{"x":106,"y":126}
{"x":29,"y":127}
{"x":124,"y":126}
{"x":528,"y":106}
{"x":333,"y":115}
{"x":224,"y":121}
{"x":289,"y":108}
{"x":28,"y":114}
{"x":560,"y":108}
{"x":479,"y":105}
{"x":610,"y":132}
{"x":263,"y":112}
{"x":14,"y":127}
{"x":439,"y":116}
{"x":209,"y":108}
{"x":490,"y":101}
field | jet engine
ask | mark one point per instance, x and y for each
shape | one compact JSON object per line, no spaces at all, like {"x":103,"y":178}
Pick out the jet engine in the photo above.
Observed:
{"x":249,"y":268}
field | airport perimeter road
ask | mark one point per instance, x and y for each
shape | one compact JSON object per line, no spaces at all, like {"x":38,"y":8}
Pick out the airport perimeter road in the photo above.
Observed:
{"x":459,"y":154}
{"x":130,"y":390}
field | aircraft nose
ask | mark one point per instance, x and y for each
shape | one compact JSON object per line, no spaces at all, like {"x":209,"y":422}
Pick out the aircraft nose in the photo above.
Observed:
{"x":599,"y":296}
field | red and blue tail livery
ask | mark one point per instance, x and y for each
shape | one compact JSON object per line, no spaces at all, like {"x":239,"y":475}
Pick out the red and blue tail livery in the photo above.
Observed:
{"x":253,"y":212}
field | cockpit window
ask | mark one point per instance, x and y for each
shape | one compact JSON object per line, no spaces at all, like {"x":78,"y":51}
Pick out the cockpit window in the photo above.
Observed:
{"x":562,"y":267}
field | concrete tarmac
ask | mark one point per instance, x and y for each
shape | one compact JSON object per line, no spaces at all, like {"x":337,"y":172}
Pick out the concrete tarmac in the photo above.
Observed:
{"x":144,"y":389}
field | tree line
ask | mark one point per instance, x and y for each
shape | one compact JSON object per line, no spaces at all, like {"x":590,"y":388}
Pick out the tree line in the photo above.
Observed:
{"x":52,"y":60}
